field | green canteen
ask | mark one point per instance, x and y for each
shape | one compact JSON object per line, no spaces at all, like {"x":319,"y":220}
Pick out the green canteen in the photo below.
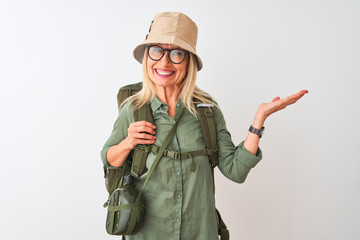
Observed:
{"x":125,"y":211}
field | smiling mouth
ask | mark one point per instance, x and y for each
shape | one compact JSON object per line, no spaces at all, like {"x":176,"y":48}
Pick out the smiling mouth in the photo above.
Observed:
{"x":164,"y":73}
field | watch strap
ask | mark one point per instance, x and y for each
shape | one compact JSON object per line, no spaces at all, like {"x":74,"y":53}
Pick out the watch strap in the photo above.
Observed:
{"x":256,"y":131}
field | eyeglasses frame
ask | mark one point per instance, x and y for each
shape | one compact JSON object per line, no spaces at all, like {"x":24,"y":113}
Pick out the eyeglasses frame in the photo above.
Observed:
{"x":166,"y":50}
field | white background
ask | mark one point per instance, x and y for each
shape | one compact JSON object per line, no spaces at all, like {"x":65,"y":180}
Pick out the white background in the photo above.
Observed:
{"x":62,"y":63}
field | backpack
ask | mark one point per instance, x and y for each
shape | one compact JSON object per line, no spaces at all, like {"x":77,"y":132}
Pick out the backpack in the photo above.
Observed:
{"x":135,"y":164}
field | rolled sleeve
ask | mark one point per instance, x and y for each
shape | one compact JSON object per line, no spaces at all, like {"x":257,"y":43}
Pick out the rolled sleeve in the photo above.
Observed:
{"x":246,"y":157}
{"x":103,"y":156}
{"x":234,"y":162}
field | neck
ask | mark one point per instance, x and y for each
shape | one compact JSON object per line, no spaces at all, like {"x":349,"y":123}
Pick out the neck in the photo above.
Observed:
{"x":169,"y":96}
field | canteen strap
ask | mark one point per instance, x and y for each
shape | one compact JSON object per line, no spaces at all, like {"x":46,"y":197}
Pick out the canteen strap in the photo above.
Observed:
{"x":160,"y":153}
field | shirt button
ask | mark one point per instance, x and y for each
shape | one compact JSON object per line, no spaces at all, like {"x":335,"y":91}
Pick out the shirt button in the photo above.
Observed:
{"x":179,"y":196}
{"x":178,"y":219}
{"x":178,"y":173}
{"x":178,"y":104}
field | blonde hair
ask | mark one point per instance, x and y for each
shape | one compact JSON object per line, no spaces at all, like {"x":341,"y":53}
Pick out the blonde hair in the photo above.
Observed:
{"x":188,"y":90}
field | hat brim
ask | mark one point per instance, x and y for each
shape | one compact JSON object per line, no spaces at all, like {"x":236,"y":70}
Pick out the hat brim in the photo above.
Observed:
{"x":166,"y":39}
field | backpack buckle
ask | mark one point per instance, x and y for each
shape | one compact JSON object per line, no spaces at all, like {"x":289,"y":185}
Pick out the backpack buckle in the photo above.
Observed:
{"x":208,"y":113}
{"x":215,"y":160}
{"x":172,"y":154}
{"x":215,"y":150}
{"x":143,"y":148}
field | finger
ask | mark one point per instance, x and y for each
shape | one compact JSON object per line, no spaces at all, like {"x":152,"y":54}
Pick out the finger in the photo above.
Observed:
{"x":300,"y":93}
{"x":293,"y":97}
{"x":283,"y":103}
{"x":143,"y":141}
{"x":145,"y":136}
{"x":145,"y":129}
{"x":146,"y":141}
{"x":275,"y":99}
{"x":290,"y":100}
{"x":140,"y":127}
{"x":145,"y":123}
{"x":304,"y":91}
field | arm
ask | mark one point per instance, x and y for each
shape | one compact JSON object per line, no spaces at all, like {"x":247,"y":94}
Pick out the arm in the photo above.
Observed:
{"x":236,"y":162}
{"x":141,"y":132}
{"x":251,"y":142}
{"x":124,"y":137}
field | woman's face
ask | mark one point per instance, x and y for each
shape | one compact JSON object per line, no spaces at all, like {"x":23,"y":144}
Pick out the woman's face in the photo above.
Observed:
{"x":164,"y":73}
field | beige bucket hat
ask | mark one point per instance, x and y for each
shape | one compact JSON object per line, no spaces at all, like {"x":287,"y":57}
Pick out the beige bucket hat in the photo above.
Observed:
{"x":171,"y":28}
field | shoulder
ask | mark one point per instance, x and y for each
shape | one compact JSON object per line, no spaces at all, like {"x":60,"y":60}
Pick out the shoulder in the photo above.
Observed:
{"x":212,"y":110}
{"x":219,"y":117}
{"x":126,"y":113}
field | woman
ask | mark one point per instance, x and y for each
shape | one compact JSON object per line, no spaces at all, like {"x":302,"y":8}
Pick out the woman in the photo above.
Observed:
{"x":179,"y":198}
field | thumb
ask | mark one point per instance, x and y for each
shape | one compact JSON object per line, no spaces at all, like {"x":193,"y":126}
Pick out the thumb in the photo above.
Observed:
{"x":275,"y":99}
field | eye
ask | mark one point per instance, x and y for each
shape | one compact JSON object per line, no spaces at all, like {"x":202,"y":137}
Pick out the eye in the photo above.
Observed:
{"x":156,"y":50}
{"x":177,"y":53}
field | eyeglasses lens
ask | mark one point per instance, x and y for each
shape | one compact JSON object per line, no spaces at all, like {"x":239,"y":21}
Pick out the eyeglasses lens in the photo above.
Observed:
{"x":177,"y":56}
{"x":156,"y":53}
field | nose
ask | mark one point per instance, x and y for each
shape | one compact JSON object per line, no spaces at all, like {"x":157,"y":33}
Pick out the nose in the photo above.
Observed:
{"x":165,"y":59}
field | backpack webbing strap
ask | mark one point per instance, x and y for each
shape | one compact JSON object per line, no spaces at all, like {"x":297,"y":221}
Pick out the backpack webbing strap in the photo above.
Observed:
{"x":222,"y":229}
{"x":157,"y":159}
{"x":144,"y":113}
{"x":160,"y":153}
{"x":208,"y":126}
{"x":122,"y":207}
{"x":181,"y":155}
{"x":134,"y":214}
{"x":138,"y":164}
{"x":141,"y":151}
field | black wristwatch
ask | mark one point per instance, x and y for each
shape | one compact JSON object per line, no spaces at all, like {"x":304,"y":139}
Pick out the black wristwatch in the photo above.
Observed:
{"x":259,"y":132}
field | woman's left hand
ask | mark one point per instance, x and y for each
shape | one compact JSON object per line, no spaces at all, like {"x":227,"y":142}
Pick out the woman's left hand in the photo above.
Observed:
{"x":266,"y":109}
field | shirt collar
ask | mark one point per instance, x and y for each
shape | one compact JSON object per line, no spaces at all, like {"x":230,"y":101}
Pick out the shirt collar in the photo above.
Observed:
{"x":156,"y":104}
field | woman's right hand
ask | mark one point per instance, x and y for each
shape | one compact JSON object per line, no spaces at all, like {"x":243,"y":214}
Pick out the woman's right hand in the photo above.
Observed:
{"x":141,"y":132}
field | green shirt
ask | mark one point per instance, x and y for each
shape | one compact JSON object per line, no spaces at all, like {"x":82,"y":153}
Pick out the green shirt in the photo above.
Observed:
{"x":179,"y":203}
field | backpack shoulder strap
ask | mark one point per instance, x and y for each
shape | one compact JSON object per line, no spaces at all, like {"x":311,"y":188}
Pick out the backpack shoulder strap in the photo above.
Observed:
{"x":141,"y":151}
{"x":208,"y":125}
{"x":114,"y":176}
{"x":144,"y":113}
{"x":222,"y":229}
{"x":128,"y":91}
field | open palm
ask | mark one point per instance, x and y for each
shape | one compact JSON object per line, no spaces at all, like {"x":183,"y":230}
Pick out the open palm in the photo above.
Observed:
{"x":277,"y":103}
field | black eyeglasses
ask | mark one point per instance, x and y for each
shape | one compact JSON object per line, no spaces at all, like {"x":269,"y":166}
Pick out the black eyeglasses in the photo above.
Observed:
{"x":176,"y":55}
